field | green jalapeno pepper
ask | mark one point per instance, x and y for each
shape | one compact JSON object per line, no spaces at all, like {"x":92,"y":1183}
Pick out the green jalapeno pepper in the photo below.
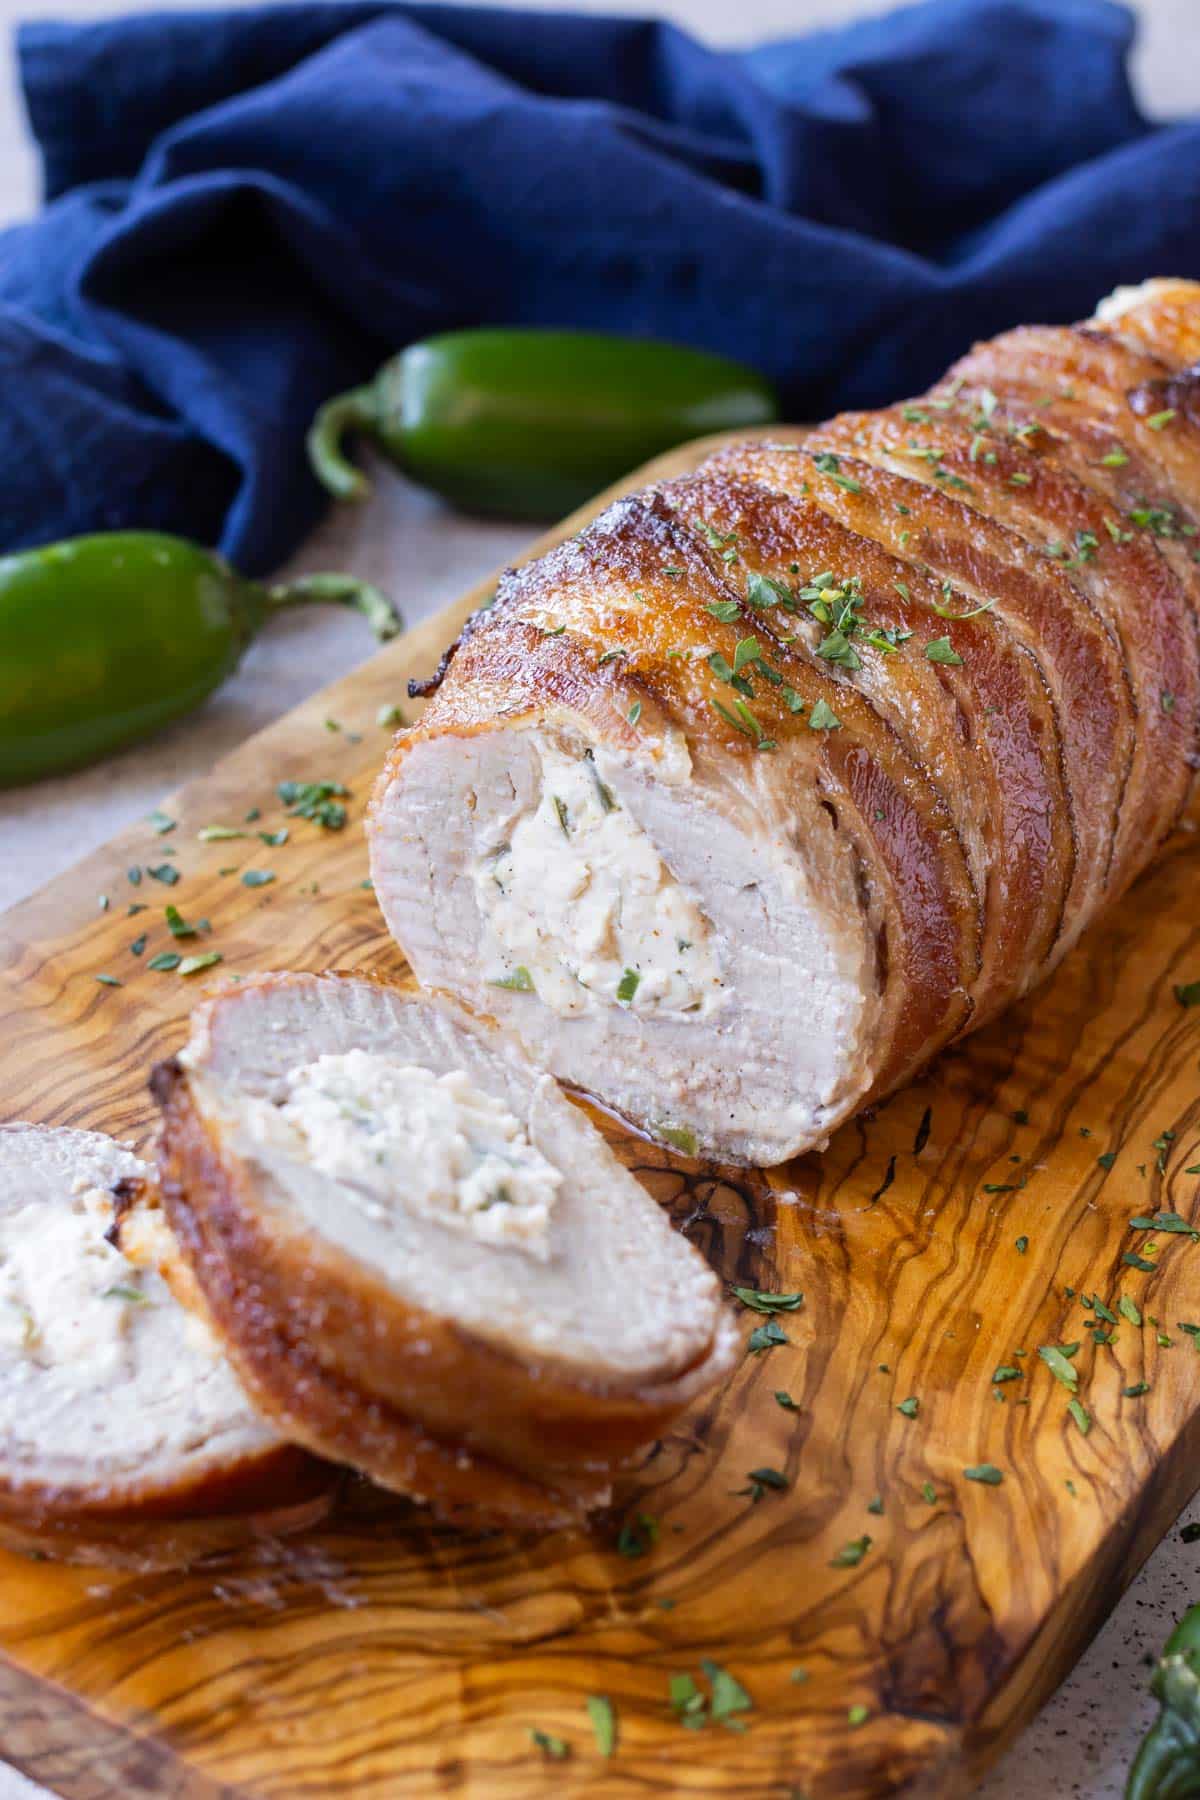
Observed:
{"x":1168,"y":1763}
{"x":103,"y":639}
{"x":530,"y":424}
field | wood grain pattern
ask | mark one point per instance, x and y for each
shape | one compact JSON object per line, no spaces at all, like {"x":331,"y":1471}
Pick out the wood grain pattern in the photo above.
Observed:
{"x":386,"y":1655}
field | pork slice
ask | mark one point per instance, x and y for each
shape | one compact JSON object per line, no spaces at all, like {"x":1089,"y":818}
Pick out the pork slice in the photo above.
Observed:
{"x":402,"y":1228}
{"x":116,"y":1406}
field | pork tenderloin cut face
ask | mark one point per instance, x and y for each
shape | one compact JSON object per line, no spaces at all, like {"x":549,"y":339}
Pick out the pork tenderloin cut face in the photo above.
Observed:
{"x":662,"y":933}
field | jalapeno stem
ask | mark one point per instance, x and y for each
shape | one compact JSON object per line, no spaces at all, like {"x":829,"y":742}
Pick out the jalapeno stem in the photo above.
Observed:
{"x":356,"y":410}
{"x":339,"y":590}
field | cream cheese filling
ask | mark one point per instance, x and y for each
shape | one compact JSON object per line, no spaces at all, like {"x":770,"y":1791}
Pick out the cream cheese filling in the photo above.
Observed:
{"x":395,"y":1135}
{"x":578,"y":905}
{"x":70,"y":1303}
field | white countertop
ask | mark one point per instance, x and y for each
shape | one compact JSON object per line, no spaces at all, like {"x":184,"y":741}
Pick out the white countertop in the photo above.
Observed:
{"x":1082,"y":1743}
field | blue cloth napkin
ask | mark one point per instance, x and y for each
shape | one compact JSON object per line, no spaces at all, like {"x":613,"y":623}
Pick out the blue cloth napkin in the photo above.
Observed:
{"x":247,"y":211}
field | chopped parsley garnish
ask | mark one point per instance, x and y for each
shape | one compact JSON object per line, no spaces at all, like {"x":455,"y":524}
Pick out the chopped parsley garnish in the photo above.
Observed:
{"x":165,"y":962}
{"x":318,"y":801}
{"x":766,"y":1337}
{"x":725,"y":610}
{"x":910,"y":1407}
{"x":784,"y":1399}
{"x":604,"y":1722}
{"x":746,"y":723}
{"x":554,"y":1747}
{"x":133,"y":1295}
{"x":851,"y":1554}
{"x":192,"y":965}
{"x":627,"y":987}
{"x":1170,"y":1222}
{"x":763,"y":1481}
{"x":823,"y":718}
{"x":941,"y":650}
{"x":1022,"y":1245}
{"x":253,"y":878}
{"x":1115,"y":459}
{"x":764,"y":590}
{"x":1188,"y":994}
{"x":1006,"y":1372}
{"x":829,"y":465}
{"x":637,"y":1536}
{"x":275,"y":838}
{"x":560,"y":810}
{"x":179,"y":927}
{"x":216,"y":834}
{"x":162,"y":822}
{"x":857,"y":1715}
{"x":1081,"y":1415}
{"x":109,"y":981}
{"x":679,"y":1137}
{"x":758,"y":1300}
{"x":1160,"y":420}
{"x":987,"y":1473}
{"x":608,"y":656}
{"x":167,"y":873}
{"x":390,"y":715}
{"x":138,"y":945}
{"x":520,"y":981}
{"x":1132,"y":1260}
{"x":1107,"y":1159}
{"x":1059,"y":1365}
{"x":635,"y":712}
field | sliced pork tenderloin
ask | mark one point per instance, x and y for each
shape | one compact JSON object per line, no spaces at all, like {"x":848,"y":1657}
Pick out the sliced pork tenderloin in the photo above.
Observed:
{"x":422,"y":1259}
{"x":124,"y":1435}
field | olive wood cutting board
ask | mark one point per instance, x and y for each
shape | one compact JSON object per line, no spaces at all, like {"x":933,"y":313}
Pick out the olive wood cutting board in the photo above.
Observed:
{"x":952,"y":1234}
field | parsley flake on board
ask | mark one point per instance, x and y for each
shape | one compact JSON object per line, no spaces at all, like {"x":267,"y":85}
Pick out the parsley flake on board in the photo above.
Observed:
{"x":986,"y":1473}
{"x":217,"y":834}
{"x":178,"y":926}
{"x":763,"y":1481}
{"x":1059,"y":1365}
{"x":109,"y":981}
{"x":851,"y":1554}
{"x":167,"y":873}
{"x":161,"y":821}
{"x":759,"y":1300}
{"x":910,"y":1407}
{"x":603,"y":1716}
{"x":318,"y":801}
{"x":1081,"y":1415}
{"x":165,"y":962}
{"x":1188,"y":994}
{"x":554,"y":1747}
{"x":766,"y":1337}
{"x":784,"y":1399}
{"x":192,"y":965}
{"x":638,"y":1535}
